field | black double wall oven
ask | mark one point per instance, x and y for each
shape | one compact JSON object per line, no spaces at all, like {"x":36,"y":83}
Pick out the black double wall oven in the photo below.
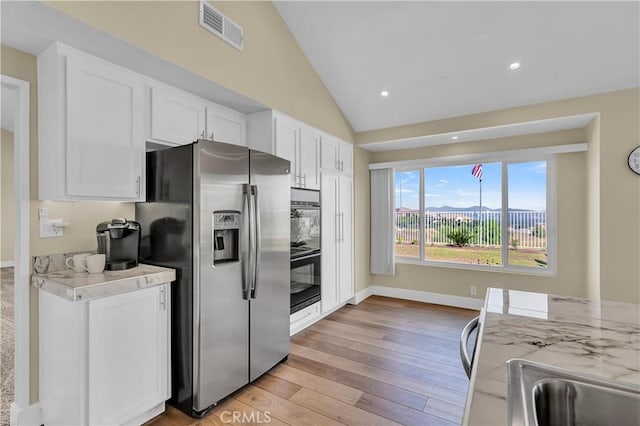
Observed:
{"x":305,"y":248}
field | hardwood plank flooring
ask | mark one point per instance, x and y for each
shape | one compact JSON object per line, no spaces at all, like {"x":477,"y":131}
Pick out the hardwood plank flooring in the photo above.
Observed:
{"x":382,"y":362}
{"x":7,"y":330}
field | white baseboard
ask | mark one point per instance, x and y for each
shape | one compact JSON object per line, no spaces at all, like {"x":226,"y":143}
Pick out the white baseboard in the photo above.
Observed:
{"x":420,"y":296}
{"x":360,"y":296}
{"x":30,"y":416}
{"x":6,"y":263}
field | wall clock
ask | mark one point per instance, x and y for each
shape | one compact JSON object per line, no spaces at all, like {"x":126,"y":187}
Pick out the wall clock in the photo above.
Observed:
{"x":634,"y":160}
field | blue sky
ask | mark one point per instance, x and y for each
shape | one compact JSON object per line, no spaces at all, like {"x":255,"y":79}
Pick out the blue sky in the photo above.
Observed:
{"x":455,"y":186}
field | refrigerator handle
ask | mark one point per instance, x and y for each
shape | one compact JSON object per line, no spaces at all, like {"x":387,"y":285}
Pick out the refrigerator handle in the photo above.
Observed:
{"x":246,"y":261}
{"x":258,"y":237}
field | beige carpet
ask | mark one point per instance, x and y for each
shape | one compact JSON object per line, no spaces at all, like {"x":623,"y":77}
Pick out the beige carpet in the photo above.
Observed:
{"x":6,"y":343}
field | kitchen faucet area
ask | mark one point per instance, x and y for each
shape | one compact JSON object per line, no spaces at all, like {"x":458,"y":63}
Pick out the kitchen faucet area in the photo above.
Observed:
{"x":320,"y":213}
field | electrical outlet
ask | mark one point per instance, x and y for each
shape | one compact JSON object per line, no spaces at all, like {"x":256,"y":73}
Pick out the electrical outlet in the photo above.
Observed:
{"x":474,"y":290}
{"x":47,"y":226}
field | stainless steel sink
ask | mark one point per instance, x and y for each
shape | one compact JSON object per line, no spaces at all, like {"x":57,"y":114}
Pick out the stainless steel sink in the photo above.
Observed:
{"x":543,"y":395}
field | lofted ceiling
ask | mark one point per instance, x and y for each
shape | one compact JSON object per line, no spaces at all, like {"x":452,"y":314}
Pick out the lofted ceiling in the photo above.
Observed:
{"x":446,"y":59}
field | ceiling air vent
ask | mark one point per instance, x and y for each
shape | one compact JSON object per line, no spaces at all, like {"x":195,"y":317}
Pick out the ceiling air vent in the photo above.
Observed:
{"x":215,"y":22}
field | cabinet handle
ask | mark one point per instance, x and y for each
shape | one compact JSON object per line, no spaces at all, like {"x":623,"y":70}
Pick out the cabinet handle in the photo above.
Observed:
{"x":338,"y":165}
{"x":163,"y":299}
{"x":342,"y":227}
{"x":342,"y":166}
{"x":305,"y":180}
{"x":138,"y":186}
{"x":202,"y":134}
{"x":212,"y":136}
{"x":337,"y":227}
{"x":464,"y":340}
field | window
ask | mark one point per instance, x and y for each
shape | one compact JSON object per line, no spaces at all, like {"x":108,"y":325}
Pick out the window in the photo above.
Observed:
{"x":483,"y":215}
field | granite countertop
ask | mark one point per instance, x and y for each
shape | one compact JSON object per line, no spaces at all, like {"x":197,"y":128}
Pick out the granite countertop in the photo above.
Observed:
{"x":597,"y":338}
{"x":81,"y":286}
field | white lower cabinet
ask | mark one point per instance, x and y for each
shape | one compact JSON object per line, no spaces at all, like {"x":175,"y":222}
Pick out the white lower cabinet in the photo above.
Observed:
{"x":337,"y":239}
{"x":105,"y":361}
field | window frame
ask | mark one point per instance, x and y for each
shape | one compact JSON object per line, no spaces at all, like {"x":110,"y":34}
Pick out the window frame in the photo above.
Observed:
{"x":504,"y":160}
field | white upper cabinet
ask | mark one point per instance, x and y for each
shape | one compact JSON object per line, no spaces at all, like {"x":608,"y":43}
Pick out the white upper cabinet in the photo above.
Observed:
{"x":329,"y":154}
{"x":226,"y":125}
{"x":308,"y":161}
{"x":336,"y":155}
{"x":345,"y":157}
{"x":179,"y":118}
{"x":95,"y":118}
{"x":176,"y":117}
{"x":287,"y":135}
{"x":278,"y":134}
{"x":91,"y":135}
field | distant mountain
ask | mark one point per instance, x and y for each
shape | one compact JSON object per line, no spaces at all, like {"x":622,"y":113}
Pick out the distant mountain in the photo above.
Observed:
{"x":459,"y":209}
{"x":469,"y":209}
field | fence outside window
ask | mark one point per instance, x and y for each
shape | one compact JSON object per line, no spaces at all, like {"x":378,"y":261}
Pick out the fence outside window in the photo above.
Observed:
{"x":526,"y":229}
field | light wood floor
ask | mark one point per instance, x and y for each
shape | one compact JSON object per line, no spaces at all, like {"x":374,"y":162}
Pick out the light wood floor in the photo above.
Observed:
{"x":382,"y":362}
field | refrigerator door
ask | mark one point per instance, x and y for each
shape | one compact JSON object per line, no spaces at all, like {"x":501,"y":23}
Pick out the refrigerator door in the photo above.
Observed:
{"x":221,"y":308}
{"x":270,"y":292}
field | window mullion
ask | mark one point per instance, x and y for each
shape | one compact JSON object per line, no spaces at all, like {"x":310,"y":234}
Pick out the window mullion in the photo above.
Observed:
{"x":505,"y":215}
{"x":421,"y":207}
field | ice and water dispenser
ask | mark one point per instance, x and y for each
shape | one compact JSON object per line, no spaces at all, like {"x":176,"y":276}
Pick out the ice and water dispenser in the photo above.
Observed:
{"x":226,"y":231}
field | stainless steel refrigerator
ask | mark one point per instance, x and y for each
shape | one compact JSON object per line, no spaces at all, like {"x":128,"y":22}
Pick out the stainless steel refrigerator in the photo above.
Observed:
{"x":219,"y":215}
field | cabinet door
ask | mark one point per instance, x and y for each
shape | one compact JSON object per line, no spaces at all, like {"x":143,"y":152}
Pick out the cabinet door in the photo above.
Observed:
{"x":345,"y":247}
{"x":226,"y":125}
{"x":287,"y":134}
{"x":309,"y":147}
{"x":346,"y":158}
{"x":128,"y":356}
{"x":105,"y":138}
{"x":176,"y":117}
{"x":329,"y":154}
{"x":329,"y":240}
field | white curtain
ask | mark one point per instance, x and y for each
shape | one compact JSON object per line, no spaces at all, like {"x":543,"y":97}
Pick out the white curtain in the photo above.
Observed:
{"x":382,"y":232}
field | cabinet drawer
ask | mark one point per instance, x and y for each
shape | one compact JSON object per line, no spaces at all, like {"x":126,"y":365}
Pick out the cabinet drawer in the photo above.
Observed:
{"x":304,"y":318}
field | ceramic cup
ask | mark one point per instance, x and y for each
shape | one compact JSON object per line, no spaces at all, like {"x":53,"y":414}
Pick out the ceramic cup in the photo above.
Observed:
{"x":78,"y":262}
{"x":95,"y":263}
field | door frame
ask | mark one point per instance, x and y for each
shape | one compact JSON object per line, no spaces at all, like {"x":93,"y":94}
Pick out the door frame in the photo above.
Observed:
{"x":22,"y":374}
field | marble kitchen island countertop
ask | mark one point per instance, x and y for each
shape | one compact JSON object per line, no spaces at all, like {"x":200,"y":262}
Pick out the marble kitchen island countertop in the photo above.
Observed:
{"x":596,"y":338}
{"x":81,"y":286}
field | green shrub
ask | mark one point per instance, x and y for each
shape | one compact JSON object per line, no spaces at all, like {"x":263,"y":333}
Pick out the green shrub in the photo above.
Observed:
{"x":515,"y":242}
{"x":459,"y":237}
{"x":539,"y":231}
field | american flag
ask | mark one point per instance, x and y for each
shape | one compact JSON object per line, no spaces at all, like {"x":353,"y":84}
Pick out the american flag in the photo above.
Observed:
{"x":477,"y":171}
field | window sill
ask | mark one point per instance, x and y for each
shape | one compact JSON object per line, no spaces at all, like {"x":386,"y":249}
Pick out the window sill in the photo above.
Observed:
{"x":546,"y":272}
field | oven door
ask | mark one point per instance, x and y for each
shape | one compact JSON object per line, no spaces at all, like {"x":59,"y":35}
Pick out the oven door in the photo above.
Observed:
{"x":305,"y":281}
{"x":305,"y":230}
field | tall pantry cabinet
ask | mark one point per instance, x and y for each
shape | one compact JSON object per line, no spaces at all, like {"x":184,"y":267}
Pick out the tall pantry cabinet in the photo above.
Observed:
{"x":336,"y":186}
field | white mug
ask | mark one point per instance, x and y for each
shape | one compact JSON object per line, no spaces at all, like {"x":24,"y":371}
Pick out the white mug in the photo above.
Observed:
{"x":95,"y":263}
{"x":78,"y":262}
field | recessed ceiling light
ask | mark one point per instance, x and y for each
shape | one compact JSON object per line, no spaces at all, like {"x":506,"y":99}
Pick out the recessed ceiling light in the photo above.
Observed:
{"x":384,"y":93}
{"x":454,"y":137}
{"x":514,"y":66}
